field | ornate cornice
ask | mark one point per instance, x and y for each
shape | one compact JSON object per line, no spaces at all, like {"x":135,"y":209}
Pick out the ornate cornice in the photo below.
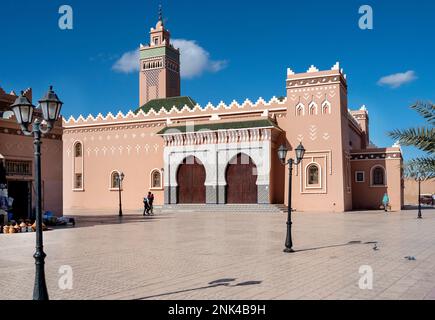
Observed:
{"x":18,"y":132}
{"x":218,"y":137}
{"x":387,"y":155}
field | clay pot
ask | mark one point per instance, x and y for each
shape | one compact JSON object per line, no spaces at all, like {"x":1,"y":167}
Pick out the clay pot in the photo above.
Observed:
{"x":44,"y":227}
{"x":5,"y":229}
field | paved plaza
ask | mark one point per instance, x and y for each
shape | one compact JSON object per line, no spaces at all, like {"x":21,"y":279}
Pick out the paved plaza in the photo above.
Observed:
{"x":229,"y":256}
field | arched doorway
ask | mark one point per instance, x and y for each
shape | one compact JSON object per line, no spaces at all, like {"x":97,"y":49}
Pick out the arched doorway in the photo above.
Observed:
{"x":241,"y":176}
{"x":191,"y":179}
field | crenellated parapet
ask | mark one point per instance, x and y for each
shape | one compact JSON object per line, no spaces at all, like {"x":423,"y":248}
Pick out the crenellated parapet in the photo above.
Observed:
{"x":296,"y":82}
{"x":209,"y":110}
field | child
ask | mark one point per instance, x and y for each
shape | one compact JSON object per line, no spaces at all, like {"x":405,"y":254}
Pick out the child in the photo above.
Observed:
{"x":386,"y":202}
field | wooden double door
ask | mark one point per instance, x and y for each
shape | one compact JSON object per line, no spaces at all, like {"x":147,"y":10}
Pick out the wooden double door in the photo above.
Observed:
{"x":191,"y":179}
{"x":241,"y":176}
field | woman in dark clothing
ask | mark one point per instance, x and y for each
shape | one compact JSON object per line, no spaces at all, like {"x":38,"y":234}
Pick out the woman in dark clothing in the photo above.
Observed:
{"x":150,"y":202}
{"x":2,"y":173}
{"x":146,"y":205}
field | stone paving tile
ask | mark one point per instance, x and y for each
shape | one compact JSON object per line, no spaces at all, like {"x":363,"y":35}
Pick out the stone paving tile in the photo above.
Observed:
{"x":181,"y":256}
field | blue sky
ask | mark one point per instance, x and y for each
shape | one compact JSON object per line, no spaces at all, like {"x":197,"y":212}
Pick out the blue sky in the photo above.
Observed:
{"x":250,"y":46}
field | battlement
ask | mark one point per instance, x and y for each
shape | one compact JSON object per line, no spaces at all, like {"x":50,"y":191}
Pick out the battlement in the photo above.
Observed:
{"x":165,"y":115}
{"x":315,"y":77}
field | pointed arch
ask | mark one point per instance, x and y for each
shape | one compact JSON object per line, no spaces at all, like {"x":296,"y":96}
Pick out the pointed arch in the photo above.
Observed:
{"x":326,"y":107}
{"x":191,"y":177}
{"x":241,"y":177}
{"x":312,"y":108}
{"x":300,"y":109}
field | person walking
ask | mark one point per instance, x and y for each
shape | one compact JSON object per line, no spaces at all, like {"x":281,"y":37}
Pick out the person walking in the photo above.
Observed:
{"x":151,"y":202}
{"x":146,"y":205}
{"x":386,"y":202}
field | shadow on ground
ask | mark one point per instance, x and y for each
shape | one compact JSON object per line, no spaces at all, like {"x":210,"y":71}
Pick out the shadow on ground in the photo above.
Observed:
{"x":213,"y":284}
{"x":92,"y":221}
{"x":350,"y":243}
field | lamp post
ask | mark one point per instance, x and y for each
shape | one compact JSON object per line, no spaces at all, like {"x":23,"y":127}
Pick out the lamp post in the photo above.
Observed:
{"x":23,"y":110}
{"x":420,"y":216}
{"x":120,"y":179}
{"x":282,"y":155}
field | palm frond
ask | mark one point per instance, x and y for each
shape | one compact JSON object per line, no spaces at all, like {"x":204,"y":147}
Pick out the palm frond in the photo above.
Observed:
{"x":426,"y":110}
{"x":422,"y":138}
{"x":424,"y":167}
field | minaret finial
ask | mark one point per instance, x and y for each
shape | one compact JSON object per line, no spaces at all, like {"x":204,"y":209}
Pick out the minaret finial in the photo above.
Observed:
{"x":160,"y":13}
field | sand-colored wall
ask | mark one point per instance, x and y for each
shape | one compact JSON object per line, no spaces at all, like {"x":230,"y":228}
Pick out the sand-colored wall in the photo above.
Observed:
{"x":411,"y":190}
{"x":366,"y":196}
{"x":19,"y":147}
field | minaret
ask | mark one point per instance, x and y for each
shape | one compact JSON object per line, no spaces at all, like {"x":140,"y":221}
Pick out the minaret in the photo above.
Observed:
{"x":159,"y":66}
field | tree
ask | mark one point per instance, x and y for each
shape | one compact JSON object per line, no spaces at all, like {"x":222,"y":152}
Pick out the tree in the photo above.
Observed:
{"x":422,"y":137}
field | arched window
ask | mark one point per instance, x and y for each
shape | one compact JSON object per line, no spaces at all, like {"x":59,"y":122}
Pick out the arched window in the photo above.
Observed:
{"x":378,"y":176}
{"x":156,"y":179}
{"x":313,"y":108}
{"x":78,"y":150}
{"x":77,"y":167}
{"x":114,"y":180}
{"x":326,"y":107}
{"x":300,"y":109}
{"x":313,"y":174}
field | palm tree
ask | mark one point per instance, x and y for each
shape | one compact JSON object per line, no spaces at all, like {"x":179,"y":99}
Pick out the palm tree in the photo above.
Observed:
{"x":422,"y":137}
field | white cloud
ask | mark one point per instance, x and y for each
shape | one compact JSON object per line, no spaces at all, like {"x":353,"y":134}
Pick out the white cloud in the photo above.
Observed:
{"x":128,"y":63}
{"x":195,"y":60}
{"x":398,"y":79}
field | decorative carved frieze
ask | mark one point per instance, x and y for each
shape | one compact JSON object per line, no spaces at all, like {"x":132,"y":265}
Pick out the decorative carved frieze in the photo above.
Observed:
{"x":19,"y":133}
{"x":220,"y":137}
{"x":375,"y":156}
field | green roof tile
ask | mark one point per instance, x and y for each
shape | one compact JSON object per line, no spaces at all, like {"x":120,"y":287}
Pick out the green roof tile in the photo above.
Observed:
{"x":266,"y":123}
{"x":168,"y":104}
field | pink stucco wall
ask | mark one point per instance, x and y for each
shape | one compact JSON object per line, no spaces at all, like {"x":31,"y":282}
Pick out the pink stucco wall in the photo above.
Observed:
{"x":129,"y":143}
{"x":15,"y":146}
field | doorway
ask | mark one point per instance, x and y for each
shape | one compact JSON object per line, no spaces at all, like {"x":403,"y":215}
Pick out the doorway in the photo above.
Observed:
{"x":191,"y":179}
{"x":241,"y":176}
{"x":20,"y":191}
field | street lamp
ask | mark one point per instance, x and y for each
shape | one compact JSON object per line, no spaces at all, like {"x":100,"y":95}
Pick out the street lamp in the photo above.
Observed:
{"x":419,"y":179}
{"x":282,"y":155}
{"x":120,"y":178}
{"x":24,"y":111}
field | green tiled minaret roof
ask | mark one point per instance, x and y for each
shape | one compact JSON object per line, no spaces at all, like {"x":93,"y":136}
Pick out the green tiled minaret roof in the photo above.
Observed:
{"x":168,"y":104}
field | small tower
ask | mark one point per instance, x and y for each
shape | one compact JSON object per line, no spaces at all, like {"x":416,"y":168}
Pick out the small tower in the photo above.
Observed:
{"x":159,"y":66}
